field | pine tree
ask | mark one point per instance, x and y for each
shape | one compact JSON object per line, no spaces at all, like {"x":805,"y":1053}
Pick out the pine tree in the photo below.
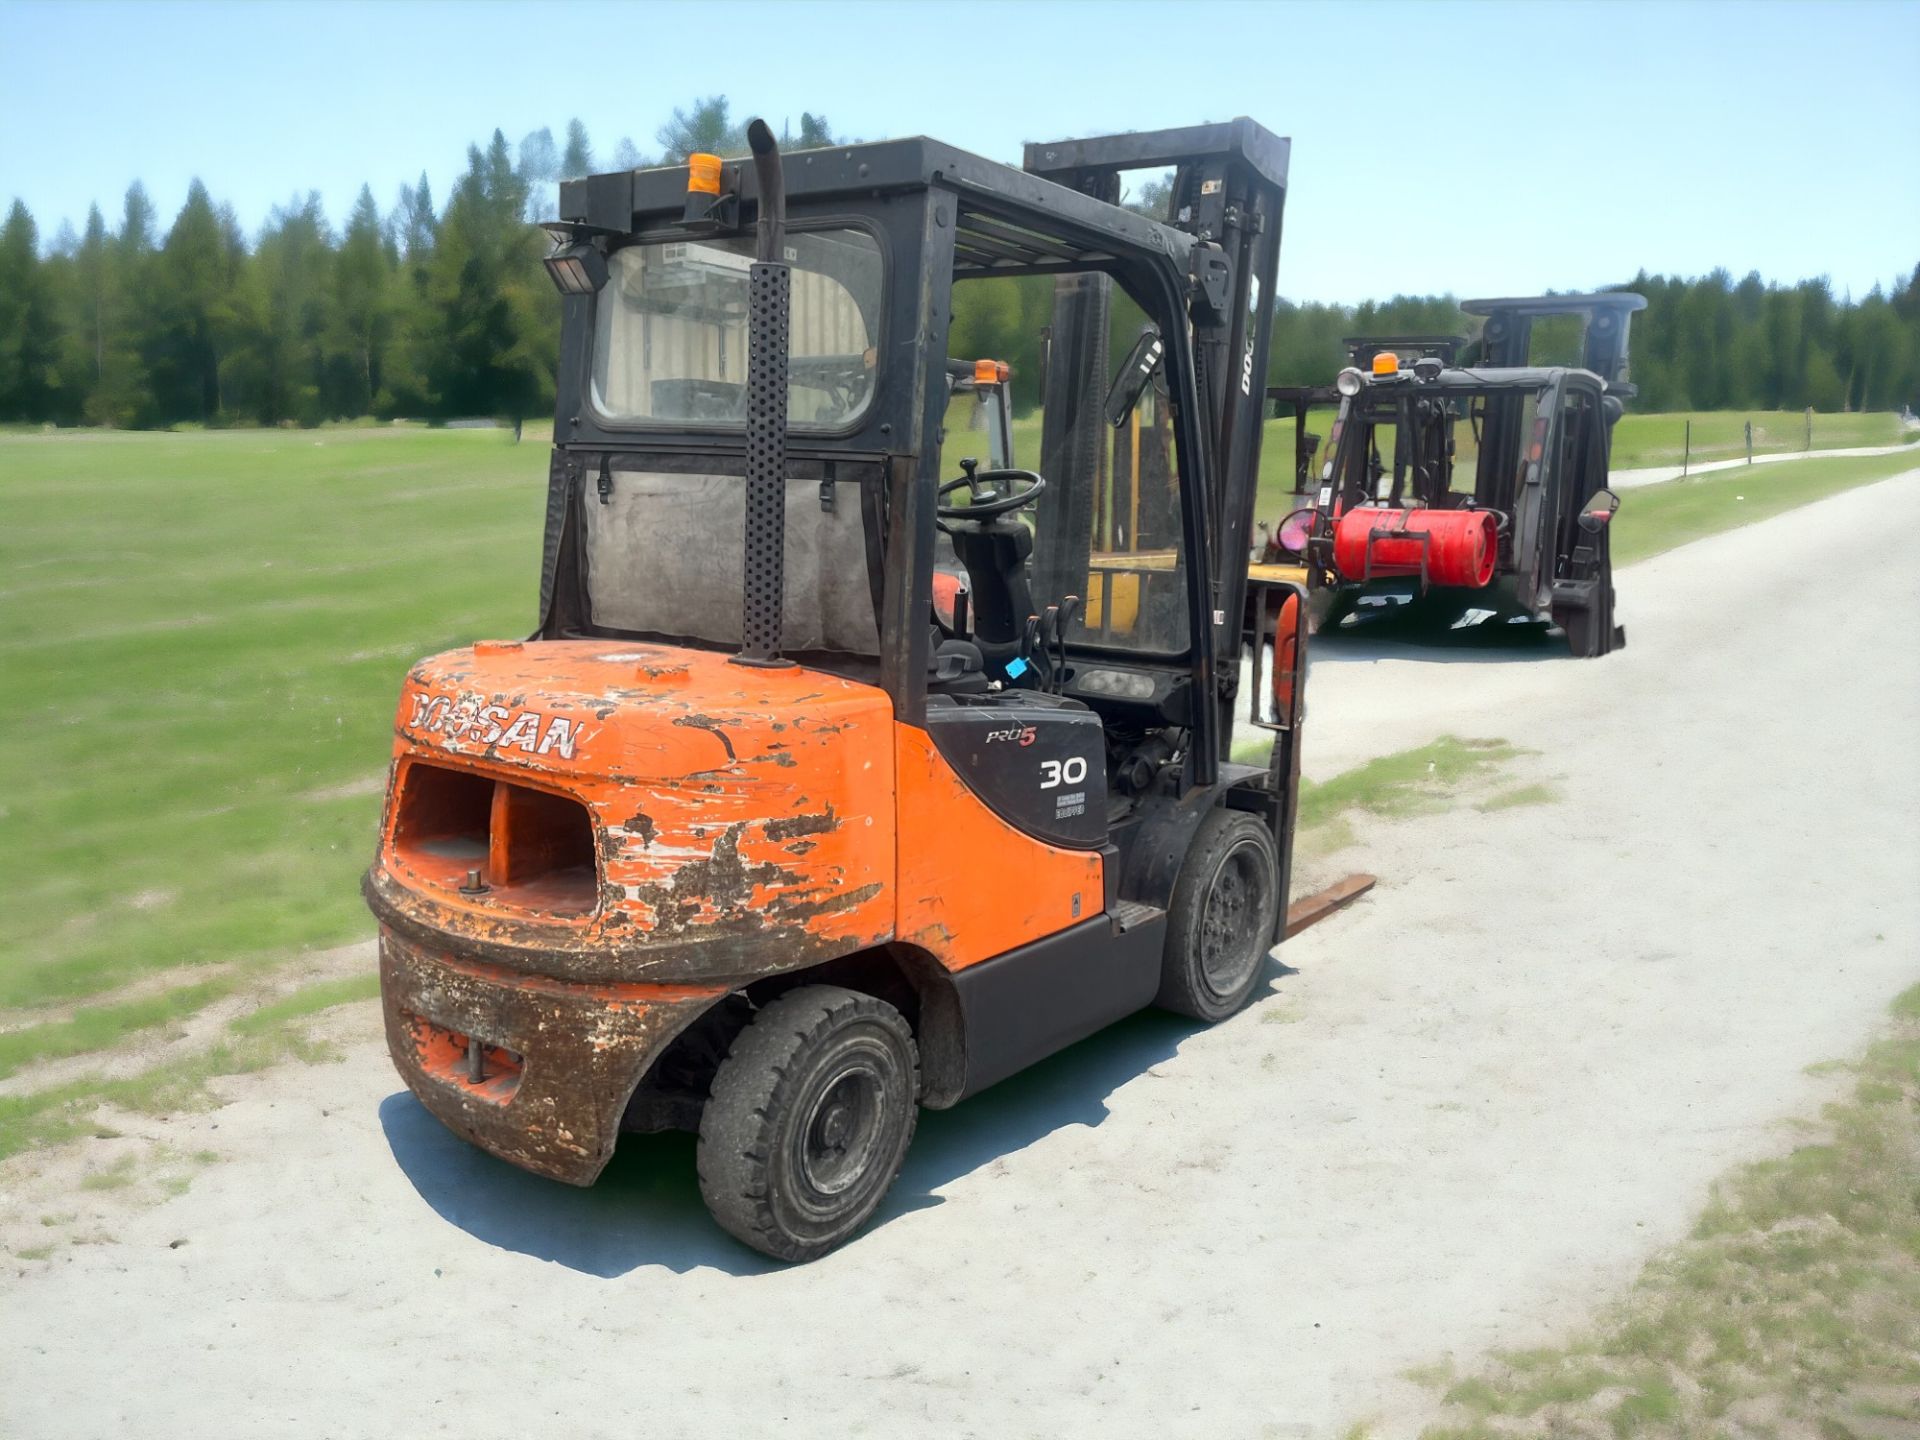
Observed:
{"x":577,"y":159}
{"x":75,"y":268}
{"x":292,"y":294}
{"x":815,"y":132}
{"x":29,"y":327}
{"x":91,"y":263}
{"x":363,"y":306}
{"x":415,"y":226}
{"x":415,"y":236}
{"x":127,"y":307}
{"x":137,"y":221}
{"x":706,"y":128}
{"x":495,"y":309}
{"x":197,"y":310}
{"x":539,"y":169}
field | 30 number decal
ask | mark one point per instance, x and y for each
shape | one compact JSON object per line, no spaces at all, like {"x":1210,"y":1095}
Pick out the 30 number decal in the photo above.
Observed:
{"x":1072,"y":771}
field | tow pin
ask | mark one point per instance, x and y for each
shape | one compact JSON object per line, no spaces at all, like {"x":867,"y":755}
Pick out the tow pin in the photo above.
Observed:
{"x":475,"y":885}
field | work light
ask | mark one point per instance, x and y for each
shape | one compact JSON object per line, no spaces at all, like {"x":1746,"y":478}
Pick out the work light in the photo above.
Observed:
{"x":1347,"y":382}
{"x":577,"y":269}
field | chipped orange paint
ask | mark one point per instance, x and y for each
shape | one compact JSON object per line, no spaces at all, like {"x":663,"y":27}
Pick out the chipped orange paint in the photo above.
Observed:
{"x":442,"y":1054}
{"x":972,"y":886}
{"x":614,"y":996}
{"x":753,"y":805}
{"x":727,"y":801}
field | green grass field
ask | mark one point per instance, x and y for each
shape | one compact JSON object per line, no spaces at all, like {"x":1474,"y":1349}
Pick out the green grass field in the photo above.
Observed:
{"x":1644,"y":441}
{"x":204,"y":636}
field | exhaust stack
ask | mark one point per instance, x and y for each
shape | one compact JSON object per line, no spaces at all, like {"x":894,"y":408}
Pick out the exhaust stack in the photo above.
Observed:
{"x":770,"y":293}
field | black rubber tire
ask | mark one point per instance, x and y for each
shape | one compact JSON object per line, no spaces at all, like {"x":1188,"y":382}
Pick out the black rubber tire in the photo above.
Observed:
{"x":817,"y":1067}
{"x":1222,"y":920}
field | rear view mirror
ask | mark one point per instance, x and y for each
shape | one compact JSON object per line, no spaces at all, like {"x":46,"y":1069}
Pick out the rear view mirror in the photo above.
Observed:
{"x":1295,"y":531}
{"x":1598,"y":510}
{"x":1279,"y":656}
{"x":1131,"y":382}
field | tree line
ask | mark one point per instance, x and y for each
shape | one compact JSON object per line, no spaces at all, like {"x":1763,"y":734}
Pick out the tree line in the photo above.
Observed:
{"x":435,"y":311}
{"x":421,"y":310}
{"x":1711,"y":343}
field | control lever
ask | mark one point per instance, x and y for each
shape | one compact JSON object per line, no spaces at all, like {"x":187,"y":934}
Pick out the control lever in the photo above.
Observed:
{"x":1049,"y":629}
{"x":1029,"y":646}
{"x":962,"y":629}
{"x":1069,"y":608}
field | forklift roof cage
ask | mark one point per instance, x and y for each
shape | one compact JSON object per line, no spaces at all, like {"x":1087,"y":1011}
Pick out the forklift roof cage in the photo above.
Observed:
{"x":934,"y":215}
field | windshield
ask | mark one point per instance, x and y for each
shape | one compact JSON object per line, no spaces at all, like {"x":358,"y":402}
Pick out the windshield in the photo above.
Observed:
{"x":1424,"y":443}
{"x":670,"y":331}
{"x":1106,"y":529}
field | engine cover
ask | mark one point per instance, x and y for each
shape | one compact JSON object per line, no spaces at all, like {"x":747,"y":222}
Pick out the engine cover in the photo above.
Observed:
{"x":1038,"y":762}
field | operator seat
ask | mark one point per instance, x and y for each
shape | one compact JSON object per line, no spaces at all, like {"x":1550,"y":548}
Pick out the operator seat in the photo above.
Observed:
{"x":995,"y":554}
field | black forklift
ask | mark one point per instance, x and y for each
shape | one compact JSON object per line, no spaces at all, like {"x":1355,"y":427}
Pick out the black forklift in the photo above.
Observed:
{"x":757,"y":837}
{"x":1465,"y":480}
{"x":1284,"y":542}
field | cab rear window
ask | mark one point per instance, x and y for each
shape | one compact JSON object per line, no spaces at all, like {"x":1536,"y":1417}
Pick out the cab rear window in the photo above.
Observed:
{"x":670,"y":344}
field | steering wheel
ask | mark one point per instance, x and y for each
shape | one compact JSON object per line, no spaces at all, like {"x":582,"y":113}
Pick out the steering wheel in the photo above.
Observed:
{"x":988,"y":503}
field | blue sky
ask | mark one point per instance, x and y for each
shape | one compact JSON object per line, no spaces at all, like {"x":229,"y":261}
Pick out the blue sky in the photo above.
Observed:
{"x":1772,"y":136}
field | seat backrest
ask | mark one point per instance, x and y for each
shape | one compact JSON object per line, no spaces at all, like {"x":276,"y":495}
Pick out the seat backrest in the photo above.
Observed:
{"x":995,"y":553}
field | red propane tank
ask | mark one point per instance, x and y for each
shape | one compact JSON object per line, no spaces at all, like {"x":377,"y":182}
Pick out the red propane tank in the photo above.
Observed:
{"x":1460,"y":545}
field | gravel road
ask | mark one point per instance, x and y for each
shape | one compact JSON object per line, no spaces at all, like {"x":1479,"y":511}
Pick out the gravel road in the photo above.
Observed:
{"x":1466,"y":1113}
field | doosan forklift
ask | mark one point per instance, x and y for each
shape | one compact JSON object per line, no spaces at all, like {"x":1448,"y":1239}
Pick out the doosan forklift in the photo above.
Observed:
{"x":851,"y":768}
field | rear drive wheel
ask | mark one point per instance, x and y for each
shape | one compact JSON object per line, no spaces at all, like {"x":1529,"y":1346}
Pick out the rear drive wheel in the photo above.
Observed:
{"x":808,"y":1121}
{"x":1221,"y":923}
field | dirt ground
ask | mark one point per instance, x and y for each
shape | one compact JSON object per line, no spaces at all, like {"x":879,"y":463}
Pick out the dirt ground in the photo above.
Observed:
{"x":1460,"y":1118}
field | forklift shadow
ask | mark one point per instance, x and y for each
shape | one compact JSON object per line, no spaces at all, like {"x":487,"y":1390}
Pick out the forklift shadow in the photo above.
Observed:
{"x":646,"y":1208}
{"x":1431,"y":641}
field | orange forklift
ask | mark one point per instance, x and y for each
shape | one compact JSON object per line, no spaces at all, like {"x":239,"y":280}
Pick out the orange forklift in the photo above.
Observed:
{"x":852,"y":767}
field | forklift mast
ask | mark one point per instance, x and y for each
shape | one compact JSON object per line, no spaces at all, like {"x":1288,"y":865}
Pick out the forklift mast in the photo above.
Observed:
{"x":1229,"y":190}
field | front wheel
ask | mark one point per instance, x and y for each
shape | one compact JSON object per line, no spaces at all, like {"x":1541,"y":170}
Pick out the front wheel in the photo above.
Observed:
{"x":1222,"y":921}
{"x":808,"y":1121}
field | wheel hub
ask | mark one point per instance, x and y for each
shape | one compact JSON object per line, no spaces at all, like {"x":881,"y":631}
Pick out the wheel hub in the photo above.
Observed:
{"x":1234,"y":901}
{"x":839,"y":1136}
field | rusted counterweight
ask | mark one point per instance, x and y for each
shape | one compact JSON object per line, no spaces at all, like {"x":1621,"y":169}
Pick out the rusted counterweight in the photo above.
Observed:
{"x":731,"y":814}
{"x":558,"y":1060}
{"x":657,"y":829}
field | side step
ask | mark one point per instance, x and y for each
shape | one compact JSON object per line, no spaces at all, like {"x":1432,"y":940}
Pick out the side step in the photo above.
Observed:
{"x":1131,"y":914}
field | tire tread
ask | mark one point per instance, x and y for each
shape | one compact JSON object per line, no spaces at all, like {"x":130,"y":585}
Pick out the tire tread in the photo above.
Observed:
{"x":737,"y":1126}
